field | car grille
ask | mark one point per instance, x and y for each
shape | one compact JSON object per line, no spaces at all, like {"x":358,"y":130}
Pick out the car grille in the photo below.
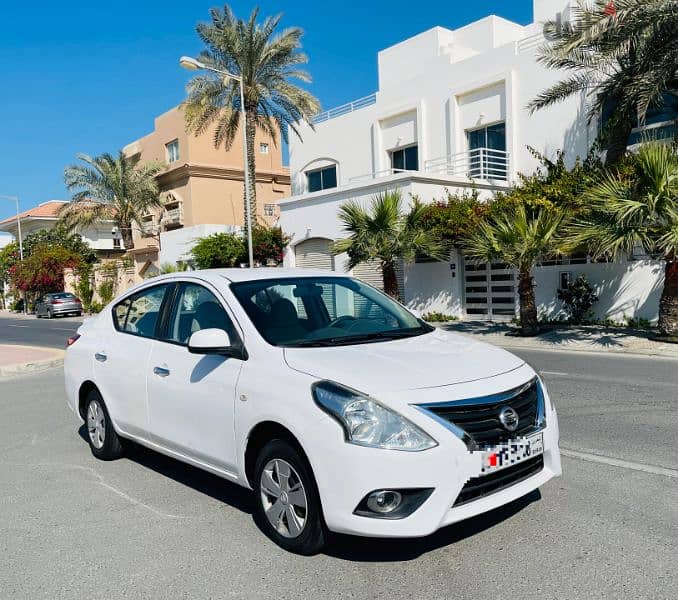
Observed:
{"x":477,"y":487}
{"x":479,"y":417}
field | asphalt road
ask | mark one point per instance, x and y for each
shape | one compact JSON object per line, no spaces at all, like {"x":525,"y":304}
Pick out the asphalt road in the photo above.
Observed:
{"x":31,"y":331}
{"x":149,"y":527}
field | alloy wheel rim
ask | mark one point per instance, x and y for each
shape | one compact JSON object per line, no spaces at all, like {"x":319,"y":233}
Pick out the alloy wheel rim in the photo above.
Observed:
{"x":96,"y":424}
{"x":283,"y":497}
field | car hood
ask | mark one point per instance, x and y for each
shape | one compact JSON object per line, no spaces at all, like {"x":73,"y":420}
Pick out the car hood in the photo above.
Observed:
{"x":432,"y":360}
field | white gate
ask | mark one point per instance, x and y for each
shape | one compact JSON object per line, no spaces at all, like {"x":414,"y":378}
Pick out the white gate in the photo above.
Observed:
{"x":489,"y":291}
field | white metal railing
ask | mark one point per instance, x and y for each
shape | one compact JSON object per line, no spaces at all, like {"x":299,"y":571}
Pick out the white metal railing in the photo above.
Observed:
{"x":345,"y":108}
{"x":529,"y":43}
{"x":479,"y":163}
{"x":377,"y":174}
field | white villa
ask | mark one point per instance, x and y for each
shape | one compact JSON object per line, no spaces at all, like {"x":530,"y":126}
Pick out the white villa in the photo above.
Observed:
{"x":450,"y":113}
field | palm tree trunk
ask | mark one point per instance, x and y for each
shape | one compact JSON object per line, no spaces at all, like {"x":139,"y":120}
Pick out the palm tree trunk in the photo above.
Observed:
{"x":529,"y":324}
{"x":251,"y":130}
{"x":127,"y":235}
{"x":618,"y":141}
{"x":390,"y":279}
{"x":668,"y":304}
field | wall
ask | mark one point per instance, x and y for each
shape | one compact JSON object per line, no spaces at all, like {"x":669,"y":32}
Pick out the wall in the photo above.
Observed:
{"x":434,"y":287}
{"x":176,"y":244}
{"x":625,"y":289}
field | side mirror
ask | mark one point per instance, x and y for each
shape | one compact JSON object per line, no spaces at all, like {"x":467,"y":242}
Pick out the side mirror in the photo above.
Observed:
{"x":211,"y":341}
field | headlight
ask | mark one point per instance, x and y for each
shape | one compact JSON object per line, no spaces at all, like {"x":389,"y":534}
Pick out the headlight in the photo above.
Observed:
{"x":368,"y":423}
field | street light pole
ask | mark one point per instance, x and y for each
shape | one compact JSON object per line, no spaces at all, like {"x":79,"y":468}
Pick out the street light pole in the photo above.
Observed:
{"x":21,"y":242}
{"x":193,"y":64}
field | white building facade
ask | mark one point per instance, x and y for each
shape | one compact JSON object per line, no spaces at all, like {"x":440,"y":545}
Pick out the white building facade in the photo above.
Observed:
{"x":450,"y":114}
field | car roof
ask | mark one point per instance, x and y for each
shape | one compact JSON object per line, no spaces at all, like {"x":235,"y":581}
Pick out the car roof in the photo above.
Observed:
{"x":256,"y":274}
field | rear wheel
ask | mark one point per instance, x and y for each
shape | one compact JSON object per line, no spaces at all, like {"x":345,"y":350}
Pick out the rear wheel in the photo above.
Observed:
{"x":50,"y":314}
{"x":287,"y":504}
{"x":103,"y":440}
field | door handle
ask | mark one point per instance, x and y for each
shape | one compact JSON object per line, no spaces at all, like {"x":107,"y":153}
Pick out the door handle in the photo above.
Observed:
{"x":161,"y":371}
{"x":101,"y":356}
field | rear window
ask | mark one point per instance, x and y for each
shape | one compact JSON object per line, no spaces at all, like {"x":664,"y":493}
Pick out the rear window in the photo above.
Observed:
{"x":62,"y":296}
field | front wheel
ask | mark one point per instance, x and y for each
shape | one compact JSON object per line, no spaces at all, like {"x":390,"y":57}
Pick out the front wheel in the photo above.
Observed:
{"x":103,"y":439}
{"x":287,"y":504}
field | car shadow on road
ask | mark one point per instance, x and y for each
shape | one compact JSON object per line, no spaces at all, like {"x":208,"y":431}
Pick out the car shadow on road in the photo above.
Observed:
{"x":347,"y":547}
{"x":201,"y":481}
{"x":344,"y":547}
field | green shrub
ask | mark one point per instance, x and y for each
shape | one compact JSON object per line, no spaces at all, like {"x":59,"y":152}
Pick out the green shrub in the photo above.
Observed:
{"x":219,"y":250}
{"x":95,"y":307}
{"x":638,"y":323}
{"x":578,"y":298}
{"x":106,"y":291}
{"x":438,"y":317}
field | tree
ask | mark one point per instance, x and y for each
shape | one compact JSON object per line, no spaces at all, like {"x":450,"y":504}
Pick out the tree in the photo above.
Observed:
{"x":9,"y":256}
{"x":59,"y":236}
{"x":267,"y":62}
{"x":521,"y":237}
{"x":218,"y":250}
{"x":386,"y":234}
{"x":268,"y":243}
{"x":638,"y":209}
{"x":43,"y":271}
{"x":623,"y":53}
{"x":110,"y":188}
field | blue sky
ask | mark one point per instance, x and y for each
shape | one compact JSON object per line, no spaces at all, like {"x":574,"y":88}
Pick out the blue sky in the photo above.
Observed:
{"x":90,"y":76}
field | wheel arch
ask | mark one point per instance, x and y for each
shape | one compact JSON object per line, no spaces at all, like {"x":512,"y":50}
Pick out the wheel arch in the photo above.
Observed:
{"x":259,"y":436}
{"x":85,"y":388}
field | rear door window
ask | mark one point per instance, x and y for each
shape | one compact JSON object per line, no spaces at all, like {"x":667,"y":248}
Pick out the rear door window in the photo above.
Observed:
{"x":138,"y":314}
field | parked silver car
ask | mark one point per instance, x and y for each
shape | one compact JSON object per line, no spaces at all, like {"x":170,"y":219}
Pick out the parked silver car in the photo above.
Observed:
{"x":58,"y":303}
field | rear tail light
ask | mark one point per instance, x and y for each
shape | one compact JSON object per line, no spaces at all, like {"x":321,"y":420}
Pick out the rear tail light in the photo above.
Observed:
{"x":71,"y":340}
{"x":77,"y":301}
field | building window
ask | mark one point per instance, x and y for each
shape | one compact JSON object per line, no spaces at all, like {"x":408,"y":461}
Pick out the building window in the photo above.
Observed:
{"x":487,"y":152}
{"x":172,"y":151}
{"x":269,"y":210}
{"x":322,"y":179}
{"x":263,"y":148}
{"x":405,"y":159}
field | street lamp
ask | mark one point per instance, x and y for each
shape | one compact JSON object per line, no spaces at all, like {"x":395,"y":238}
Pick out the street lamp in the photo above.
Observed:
{"x":18,"y":223}
{"x":192,"y":64}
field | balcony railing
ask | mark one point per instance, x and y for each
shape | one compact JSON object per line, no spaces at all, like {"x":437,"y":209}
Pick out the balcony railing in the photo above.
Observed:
{"x":479,"y":163}
{"x":345,"y":108}
{"x":172,"y":216}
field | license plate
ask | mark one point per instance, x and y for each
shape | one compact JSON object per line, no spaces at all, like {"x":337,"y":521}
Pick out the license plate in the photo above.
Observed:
{"x":511,"y":452}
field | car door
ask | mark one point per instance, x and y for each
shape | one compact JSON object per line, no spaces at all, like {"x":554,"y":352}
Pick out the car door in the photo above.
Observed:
{"x":191,"y":397}
{"x":121,"y":357}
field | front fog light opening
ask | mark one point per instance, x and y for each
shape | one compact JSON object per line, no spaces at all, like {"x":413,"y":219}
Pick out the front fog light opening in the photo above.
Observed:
{"x":384,"y":501}
{"x":392,"y":504}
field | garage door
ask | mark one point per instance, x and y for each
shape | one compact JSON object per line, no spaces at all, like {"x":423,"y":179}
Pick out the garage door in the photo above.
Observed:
{"x":315,"y":253}
{"x":489,"y":291}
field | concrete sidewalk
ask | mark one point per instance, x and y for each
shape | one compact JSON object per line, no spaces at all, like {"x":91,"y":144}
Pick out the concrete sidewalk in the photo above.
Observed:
{"x":584,"y":338}
{"x":17,"y":360}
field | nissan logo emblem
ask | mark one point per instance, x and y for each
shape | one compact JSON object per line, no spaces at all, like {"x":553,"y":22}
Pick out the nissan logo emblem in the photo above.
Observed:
{"x":509,"y":418}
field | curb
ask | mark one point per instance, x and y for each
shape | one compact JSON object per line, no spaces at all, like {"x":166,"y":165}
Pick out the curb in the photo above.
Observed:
{"x":35,"y":366}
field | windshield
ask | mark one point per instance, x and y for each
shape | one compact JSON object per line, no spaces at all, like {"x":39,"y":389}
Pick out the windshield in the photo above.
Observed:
{"x":324,"y":311}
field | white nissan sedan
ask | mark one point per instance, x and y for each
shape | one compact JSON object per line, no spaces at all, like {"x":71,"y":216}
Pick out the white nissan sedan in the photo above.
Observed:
{"x":341,"y":409}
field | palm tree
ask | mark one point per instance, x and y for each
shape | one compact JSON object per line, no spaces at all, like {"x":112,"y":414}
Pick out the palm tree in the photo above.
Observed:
{"x":641,"y":209}
{"x":110,"y":188}
{"x":385,"y":234}
{"x":522,"y":238}
{"x":267,"y":63}
{"x":622,"y":53}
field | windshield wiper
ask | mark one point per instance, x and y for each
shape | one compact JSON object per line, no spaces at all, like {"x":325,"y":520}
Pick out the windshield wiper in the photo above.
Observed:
{"x":360,"y":337}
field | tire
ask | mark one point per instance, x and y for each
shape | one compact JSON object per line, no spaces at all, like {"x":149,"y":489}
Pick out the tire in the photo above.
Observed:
{"x":282,"y":463}
{"x":103,"y":440}
{"x":50,"y":315}
{"x":78,"y":314}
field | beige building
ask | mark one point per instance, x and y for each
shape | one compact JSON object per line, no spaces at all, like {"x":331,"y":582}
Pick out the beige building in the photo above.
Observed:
{"x":201,"y":188}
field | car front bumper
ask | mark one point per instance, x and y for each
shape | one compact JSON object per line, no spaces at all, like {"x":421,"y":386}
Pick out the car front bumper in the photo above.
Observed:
{"x":349,"y":472}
